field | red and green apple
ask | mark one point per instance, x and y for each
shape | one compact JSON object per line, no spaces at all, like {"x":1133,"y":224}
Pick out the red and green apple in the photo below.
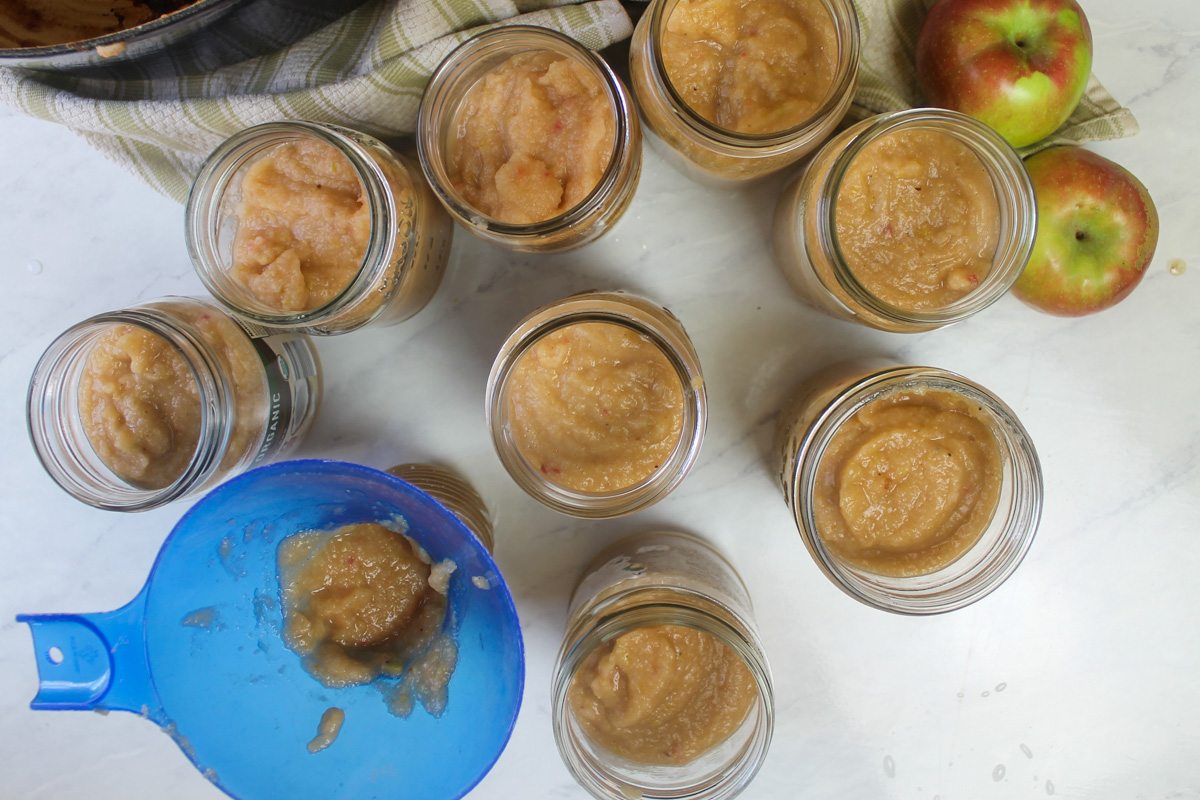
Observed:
{"x":1096,"y":233}
{"x":1021,"y":66}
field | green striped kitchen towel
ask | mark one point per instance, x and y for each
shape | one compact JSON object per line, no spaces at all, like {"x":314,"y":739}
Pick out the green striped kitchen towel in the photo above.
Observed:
{"x":887,"y":78}
{"x":366,"y":71}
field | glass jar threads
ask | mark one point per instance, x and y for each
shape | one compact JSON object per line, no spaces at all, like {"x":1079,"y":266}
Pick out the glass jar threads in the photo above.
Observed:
{"x":453,"y":491}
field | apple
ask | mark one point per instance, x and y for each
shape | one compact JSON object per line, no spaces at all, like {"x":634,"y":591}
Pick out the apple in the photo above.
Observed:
{"x":1096,"y":233}
{"x":1020,"y":66}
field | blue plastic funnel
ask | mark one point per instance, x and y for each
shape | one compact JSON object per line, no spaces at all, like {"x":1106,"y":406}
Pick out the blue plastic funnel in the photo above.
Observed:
{"x":199,"y":650}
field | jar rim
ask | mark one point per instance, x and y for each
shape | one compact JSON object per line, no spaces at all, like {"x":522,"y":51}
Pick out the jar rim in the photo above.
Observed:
{"x":493,"y":44}
{"x":625,"y":542}
{"x":846,"y":23}
{"x":1010,"y":183}
{"x":72,"y":470}
{"x":633,"y":313}
{"x":949,"y":588}
{"x":205,"y":210}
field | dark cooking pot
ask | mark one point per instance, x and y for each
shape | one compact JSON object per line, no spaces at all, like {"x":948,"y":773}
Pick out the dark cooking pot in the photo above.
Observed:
{"x":197,"y":37}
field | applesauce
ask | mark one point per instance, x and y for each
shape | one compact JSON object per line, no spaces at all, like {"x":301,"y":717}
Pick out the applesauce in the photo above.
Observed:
{"x":908,"y":483}
{"x":917,"y":219}
{"x":739,"y":89}
{"x":595,"y":407}
{"x":662,"y":694}
{"x":532,"y":138}
{"x":140,"y":407}
{"x":751,"y":66}
{"x":364,"y":601}
{"x":303,"y":226}
{"x":529,"y":139}
{"x":139,"y":402}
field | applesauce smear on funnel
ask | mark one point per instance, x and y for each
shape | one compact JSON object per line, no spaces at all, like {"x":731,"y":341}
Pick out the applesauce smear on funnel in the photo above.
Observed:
{"x":362,"y":602}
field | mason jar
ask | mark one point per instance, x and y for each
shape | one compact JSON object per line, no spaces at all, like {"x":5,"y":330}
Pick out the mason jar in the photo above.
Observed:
{"x":812,"y":258}
{"x":453,"y":491}
{"x":710,"y":153}
{"x":646,"y":581}
{"x":133,"y":409}
{"x":963,"y":572}
{"x":309,"y":227}
{"x":601,"y":466}
{"x":440,"y":129}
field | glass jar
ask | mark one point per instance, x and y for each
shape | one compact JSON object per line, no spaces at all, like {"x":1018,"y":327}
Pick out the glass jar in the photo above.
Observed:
{"x":709,"y":153}
{"x":254,"y":399}
{"x":662,"y":579}
{"x":407,"y":246}
{"x":451,"y":490}
{"x":465,"y":67}
{"x":813,"y":416}
{"x":805,"y":230}
{"x":651,"y":323}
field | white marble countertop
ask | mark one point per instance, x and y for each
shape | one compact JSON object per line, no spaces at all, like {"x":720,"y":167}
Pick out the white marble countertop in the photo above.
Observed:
{"x":1076,"y":678}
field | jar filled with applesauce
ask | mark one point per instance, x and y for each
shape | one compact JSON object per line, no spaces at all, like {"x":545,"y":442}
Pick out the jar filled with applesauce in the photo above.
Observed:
{"x":661,"y":688}
{"x":596,"y":404}
{"x":915,"y":490}
{"x":735,"y":91}
{"x":313,"y":228}
{"x":529,"y":139}
{"x":908,"y":221}
{"x":133,"y":409}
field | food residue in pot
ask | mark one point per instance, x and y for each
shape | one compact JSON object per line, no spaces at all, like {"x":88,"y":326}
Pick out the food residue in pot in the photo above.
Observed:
{"x":29,"y":23}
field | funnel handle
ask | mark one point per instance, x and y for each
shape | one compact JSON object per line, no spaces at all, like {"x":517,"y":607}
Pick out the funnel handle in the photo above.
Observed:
{"x":94,"y":661}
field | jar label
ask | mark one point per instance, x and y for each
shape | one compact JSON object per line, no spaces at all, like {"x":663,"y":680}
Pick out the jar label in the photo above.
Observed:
{"x":277,"y":433}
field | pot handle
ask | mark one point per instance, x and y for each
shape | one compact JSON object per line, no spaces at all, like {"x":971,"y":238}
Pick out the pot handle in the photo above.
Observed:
{"x":94,"y":661}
